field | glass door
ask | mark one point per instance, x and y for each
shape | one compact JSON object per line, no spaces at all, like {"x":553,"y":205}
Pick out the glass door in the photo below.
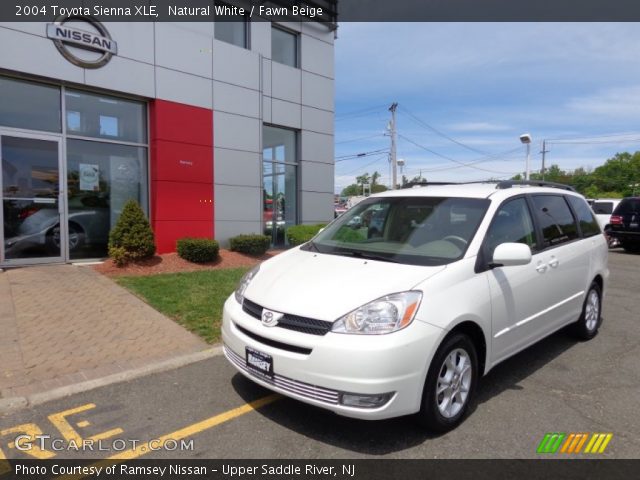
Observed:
{"x":31,"y":199}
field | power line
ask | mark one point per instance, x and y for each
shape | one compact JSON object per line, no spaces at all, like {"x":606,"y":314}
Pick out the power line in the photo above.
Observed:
{"x":376,"y":160}
{"x":360,"y":113}
{"x":355,"y":156}
{"x":443,"y":135}
{"x":470,"y":165}
{"x":360,"y":138}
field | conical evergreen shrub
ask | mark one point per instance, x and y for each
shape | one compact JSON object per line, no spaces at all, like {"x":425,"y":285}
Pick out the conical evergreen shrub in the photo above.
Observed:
{"x":132,"y":236}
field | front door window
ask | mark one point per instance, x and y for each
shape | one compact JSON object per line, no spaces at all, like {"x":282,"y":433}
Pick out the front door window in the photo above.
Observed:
{"x":30,"y":199}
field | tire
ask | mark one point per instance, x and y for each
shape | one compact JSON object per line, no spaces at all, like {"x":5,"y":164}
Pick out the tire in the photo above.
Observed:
{"x":434,"y":414}
{"x":76,"y":239}
{"x":591,"y":317}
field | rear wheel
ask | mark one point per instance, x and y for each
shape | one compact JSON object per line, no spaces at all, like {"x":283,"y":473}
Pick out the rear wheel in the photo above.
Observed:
{"x":450,"y":384}
{"x":589,"y":322}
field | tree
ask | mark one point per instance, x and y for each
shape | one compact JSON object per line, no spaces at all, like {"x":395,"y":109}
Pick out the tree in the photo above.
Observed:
{"x":364,"y":179}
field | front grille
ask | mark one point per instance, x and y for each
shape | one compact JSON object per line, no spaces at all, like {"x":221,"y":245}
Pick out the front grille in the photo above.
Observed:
{"x":274,"y":343}
{"x":290,"y":385}
{"x":290,"y":322}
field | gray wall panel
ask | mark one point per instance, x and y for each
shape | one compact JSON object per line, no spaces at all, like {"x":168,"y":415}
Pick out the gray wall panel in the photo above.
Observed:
{"x":317,"y":207}
{"x":180,"y":48}
{"x":317,"y":177}
{"x":224,"y":230}
{"x":317,"y":147}
{"x":286,"y":114}
{"x":124,"y":75}
{"x":184,"y":88}
{"x":317,"y":57}
{"x":237,"y":203}
{"x":234,"y":167}
{"x":236,"y":132}
{"x":28,"y":53}
{"x":135,"y":40}
{"x":285,"y":82}
{"x":316,"y":120}
{"x":317,"y":91}
{"x":235,"y":65}
{"x":232,"y":99}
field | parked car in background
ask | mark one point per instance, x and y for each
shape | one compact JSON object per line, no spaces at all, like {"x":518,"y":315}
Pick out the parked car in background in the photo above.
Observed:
{"x":437,"y":285}
{"x":624,"y":224}
{"x":603,"y":208}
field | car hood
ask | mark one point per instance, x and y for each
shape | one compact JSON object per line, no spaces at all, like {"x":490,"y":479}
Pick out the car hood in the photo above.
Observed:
{"x":326,"y":287}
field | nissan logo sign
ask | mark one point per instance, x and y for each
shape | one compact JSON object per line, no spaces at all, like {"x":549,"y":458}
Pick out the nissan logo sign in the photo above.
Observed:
{"x":82,"y":40}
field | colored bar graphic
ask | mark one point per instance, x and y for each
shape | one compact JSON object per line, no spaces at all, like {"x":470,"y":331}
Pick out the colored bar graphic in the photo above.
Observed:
{"x":572,"y":443}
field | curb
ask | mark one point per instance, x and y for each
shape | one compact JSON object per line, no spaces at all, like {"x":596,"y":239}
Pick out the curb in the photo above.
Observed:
{"x":13,"y":404}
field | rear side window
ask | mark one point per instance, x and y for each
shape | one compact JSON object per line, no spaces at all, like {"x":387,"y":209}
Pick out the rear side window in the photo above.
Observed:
{"x":627,"y":206}
{"x":588,"y":224}
{"x":555,"y":219}
{"x":602,"y":208}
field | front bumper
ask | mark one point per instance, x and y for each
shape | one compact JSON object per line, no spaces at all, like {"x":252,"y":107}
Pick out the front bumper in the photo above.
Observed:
{"x":336,"y":363}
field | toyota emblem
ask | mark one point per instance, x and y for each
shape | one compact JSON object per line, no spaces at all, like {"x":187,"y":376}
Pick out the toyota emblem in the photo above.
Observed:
{"x":270,"y":318}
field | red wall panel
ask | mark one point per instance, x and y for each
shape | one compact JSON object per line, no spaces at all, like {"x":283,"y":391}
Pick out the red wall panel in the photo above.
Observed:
{"x":181,"y":169}
{"x":168,"y":232}
{"x":182,"y":162}
{"x":183,"y":201}
{"x":181,"y":123}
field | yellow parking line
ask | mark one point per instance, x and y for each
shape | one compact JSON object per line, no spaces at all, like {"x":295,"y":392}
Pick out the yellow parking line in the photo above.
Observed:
{"x":196,"y":428}
{"x":182,"y":433}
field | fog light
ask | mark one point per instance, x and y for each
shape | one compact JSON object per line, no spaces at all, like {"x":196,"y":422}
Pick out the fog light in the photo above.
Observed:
{"x":365,"y":401}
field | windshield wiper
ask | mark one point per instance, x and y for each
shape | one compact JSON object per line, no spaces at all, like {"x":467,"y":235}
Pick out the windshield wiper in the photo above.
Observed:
{"x":366,"y":256}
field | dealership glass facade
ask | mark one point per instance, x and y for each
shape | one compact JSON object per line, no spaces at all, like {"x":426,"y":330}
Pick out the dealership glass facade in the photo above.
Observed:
{"x":65,"y":183}
{"x":280,"y":182}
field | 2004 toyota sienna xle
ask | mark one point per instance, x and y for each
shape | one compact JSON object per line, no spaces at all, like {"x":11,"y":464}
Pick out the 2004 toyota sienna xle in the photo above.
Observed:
{"x":402,"y":314}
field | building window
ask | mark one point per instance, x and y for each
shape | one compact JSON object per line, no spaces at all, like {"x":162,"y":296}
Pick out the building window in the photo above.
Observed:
{"x":236,"y":33}
{"x":101,"y":116}
{"x":101,"y":178}
{"x":280,"y":182}
{"x":284,"y":46}
{"x":29,"y":105}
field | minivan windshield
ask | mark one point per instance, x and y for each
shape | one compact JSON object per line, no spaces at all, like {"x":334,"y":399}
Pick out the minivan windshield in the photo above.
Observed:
{"x":409,"y":230}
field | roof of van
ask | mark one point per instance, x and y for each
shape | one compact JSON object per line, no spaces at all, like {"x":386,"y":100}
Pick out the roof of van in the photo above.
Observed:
{"x":471,"y":190}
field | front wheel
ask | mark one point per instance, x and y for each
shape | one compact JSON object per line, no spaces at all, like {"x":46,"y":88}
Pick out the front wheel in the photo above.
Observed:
{"x":450,"y":384}
{"x":591,"y":317}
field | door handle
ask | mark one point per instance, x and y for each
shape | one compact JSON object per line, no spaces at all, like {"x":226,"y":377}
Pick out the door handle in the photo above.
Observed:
{"x":541,"y":268}
{"x":554,"y":262}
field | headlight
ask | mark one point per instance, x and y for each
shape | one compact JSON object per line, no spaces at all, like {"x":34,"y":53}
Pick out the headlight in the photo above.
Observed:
{"x":384,"y":315}
{"x":244,"y":283}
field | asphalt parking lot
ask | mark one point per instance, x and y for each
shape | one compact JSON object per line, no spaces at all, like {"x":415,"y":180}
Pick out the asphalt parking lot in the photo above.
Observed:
{"x":558,"y":385}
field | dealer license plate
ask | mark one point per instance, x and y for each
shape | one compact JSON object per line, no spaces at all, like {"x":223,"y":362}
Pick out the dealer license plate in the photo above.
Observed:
{"x":258,"y":362}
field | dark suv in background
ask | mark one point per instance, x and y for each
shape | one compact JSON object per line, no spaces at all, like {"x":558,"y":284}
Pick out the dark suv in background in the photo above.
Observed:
{"x":624,"y":224}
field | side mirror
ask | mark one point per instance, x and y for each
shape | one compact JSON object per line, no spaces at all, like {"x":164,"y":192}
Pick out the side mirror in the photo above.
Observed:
{"x":510,"y":254}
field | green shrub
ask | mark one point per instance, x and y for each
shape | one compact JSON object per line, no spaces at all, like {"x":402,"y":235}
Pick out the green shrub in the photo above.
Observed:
{"x":118,"y":255}
{"x":299,"y":234}
{"x":251,"y":244}
{"x":132,"y":237}
{"x":198,"y":250}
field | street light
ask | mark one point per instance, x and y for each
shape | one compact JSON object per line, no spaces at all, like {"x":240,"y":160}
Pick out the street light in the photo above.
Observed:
{"x":526,"y":139}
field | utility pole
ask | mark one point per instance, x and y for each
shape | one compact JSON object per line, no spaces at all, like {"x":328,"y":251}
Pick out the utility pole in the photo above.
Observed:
{"x":394,"y":160}
{"x":543,"y":152}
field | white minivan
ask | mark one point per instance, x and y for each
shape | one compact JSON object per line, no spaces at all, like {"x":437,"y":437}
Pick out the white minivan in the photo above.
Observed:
{"x":402,"y":311}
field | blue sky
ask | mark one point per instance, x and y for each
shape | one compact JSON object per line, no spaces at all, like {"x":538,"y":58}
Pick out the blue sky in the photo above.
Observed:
{"x":483,"y":85}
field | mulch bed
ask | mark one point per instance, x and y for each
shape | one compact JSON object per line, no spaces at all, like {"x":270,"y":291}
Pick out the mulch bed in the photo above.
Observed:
{"x":172,"y":263}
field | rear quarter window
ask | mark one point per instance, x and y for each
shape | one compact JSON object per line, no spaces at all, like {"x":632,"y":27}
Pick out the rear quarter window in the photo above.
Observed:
{"x":628,"y":205}
{"x":555,"y":218}
{"x":588,"y":223}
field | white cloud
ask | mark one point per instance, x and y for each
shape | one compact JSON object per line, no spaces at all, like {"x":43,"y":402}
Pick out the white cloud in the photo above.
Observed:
{"x":475,"y":127}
